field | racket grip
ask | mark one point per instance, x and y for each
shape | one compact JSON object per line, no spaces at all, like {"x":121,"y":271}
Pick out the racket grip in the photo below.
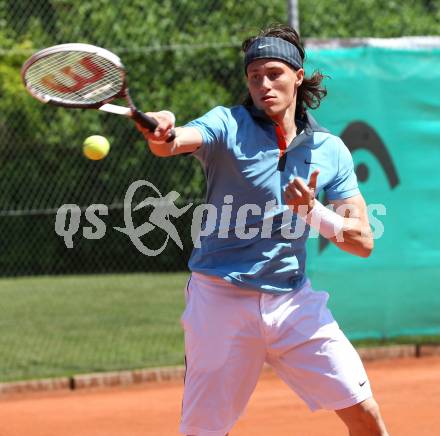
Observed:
{"x":144,"y":120}
{"x":172,"y":136}
{"x":149,"y":123}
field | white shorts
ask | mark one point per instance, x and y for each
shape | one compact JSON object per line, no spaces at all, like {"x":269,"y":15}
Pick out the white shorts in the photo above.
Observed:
{"x":230,"y":332}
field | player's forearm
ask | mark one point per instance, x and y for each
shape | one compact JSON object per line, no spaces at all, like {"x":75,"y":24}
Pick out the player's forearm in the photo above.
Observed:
{"x":187,"y":140}
{"x":163,"y":148}
{"x":355,"y":238}
{"x":348,"y":229}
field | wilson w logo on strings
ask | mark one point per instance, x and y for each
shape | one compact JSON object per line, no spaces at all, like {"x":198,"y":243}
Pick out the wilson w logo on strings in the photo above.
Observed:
{"x":80,"y":81}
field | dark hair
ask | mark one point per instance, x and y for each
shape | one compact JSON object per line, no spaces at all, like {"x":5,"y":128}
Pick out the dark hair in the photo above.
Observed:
{"x":310,"y":93}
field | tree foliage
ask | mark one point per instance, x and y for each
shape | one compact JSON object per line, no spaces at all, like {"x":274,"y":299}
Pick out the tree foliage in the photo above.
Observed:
{"x":369,"y":18}
{"x":181,"y":55}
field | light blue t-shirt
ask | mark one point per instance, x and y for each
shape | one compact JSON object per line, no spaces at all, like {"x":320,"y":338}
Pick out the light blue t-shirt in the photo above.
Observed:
{"x":251,"y":238}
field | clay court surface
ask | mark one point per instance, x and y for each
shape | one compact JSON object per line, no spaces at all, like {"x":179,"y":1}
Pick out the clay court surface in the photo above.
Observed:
{"x":407,"y":389}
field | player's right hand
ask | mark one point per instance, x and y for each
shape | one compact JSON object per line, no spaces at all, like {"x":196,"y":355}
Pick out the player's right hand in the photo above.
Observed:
{"x":165,"y":120}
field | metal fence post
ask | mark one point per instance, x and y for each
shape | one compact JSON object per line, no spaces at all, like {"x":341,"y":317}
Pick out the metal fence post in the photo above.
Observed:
{"x":293,"y":11}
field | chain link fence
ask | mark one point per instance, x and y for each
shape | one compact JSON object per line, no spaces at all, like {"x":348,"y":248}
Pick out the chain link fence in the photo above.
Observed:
{"x":180,"y":55}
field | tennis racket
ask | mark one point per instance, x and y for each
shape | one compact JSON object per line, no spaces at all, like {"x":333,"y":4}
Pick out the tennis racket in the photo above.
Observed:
{"x":82,"y":76}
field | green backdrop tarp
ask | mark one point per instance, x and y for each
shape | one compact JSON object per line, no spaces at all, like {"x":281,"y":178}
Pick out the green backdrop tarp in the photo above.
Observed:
{"x":385,"y":103}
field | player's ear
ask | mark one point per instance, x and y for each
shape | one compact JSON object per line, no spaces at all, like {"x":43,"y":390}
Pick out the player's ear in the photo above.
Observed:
{"x":299,"y":77}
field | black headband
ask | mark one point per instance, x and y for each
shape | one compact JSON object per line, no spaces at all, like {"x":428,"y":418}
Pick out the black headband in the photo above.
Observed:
{"x":276,"y":48}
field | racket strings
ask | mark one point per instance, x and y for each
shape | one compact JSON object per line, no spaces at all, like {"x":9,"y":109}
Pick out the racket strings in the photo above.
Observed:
{"x":74,"y":78}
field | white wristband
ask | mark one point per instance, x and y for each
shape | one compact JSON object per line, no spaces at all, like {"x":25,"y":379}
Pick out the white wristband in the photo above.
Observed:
{"x":328,"y":223}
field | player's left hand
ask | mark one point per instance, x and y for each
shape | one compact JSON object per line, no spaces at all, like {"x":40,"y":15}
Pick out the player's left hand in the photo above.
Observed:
{"x":299,"y":196}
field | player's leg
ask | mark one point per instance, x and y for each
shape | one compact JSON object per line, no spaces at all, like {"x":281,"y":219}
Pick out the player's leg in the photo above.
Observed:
{"x":225,"y":352}
{"x":313,"y":356}
{"x":363,"y":418}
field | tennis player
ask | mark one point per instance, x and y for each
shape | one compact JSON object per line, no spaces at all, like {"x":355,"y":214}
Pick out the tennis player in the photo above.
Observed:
{"x":249,"y":300}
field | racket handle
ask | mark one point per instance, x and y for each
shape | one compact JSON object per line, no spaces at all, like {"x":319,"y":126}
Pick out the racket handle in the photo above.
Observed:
{"x":144,"y":120}
{"x":172,"y":136}
{"x":149,"y":123}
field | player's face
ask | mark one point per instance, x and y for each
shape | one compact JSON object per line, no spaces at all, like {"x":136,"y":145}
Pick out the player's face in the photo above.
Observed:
{"x":272,"y":85}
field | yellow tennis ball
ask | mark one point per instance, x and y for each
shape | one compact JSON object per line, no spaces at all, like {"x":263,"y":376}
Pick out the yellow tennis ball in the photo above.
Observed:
{"x":96,"y":147}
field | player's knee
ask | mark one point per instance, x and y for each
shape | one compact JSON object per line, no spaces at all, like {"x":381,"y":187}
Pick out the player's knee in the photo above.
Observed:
{"x":364,"y":416}
{"x":369,"y":417}
{"x":369,"y":409}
